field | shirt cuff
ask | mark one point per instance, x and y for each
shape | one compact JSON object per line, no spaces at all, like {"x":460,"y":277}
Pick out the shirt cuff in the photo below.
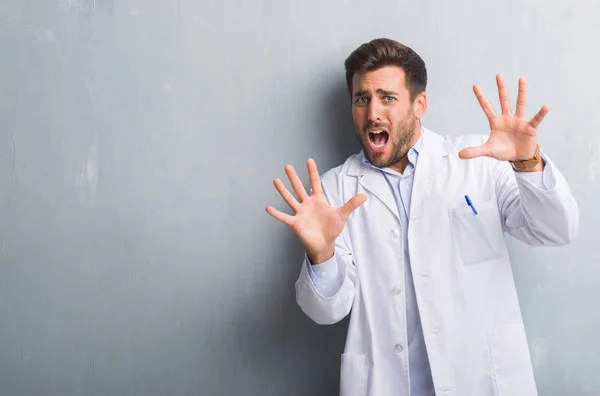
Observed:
{"x":543,"y":180}
{"x":326,"y":276}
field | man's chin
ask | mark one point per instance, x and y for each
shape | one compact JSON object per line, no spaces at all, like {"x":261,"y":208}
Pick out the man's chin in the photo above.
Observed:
{"x":383,"y":160}
{"x":379,"y":160}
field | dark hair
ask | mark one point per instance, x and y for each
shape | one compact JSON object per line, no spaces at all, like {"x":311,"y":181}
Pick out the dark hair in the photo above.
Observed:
{"x":385,"y":52}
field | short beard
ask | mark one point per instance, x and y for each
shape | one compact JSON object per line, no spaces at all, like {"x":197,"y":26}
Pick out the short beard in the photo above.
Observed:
{"x":404,"y":140}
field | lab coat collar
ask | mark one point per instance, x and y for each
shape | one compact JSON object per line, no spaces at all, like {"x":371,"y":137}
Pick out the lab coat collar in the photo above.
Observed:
{"x":432,"y":155}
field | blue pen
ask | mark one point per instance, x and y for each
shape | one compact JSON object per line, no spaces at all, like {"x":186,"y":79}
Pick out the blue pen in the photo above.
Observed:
{"x":470,"y":204}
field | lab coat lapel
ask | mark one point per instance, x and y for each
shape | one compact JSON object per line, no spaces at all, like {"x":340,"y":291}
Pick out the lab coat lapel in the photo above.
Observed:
{"x":432,"y":157}
{"x":373,"y":181}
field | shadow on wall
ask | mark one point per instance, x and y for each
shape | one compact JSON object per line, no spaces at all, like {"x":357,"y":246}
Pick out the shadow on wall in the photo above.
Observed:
{"x":277,"y":336}
{"x":287,"y":341}
{"x":339,"y":137}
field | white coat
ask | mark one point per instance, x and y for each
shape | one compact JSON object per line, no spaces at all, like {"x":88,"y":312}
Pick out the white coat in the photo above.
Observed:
{"x":463,"y":280}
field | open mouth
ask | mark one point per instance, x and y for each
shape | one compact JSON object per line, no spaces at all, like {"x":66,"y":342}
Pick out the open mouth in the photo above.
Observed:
{"x":378,"y":139}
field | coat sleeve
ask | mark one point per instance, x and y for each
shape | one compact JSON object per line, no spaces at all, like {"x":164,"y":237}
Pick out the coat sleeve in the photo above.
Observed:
{"x":325,"y":292}
{"x":329,"y":299}
{"x":536,"y":216}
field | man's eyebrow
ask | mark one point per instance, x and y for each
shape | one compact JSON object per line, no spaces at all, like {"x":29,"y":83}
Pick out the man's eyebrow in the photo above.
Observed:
{"x":384,"y":92}
{"x":379,"y":91}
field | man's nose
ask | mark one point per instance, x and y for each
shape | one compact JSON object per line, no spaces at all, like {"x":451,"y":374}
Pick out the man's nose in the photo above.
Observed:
{"x":373,"y":112}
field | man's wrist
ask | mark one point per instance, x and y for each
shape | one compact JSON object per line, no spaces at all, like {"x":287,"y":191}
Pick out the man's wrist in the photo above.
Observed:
{"x":532,"y":167}
{"x":533,"y":164}
{"x":320,"y":257}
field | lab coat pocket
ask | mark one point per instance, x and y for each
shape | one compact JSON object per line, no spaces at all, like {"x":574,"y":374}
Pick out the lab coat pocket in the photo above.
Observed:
{"x":477,"y":237}
{"x":354,"y":375}
{"x":511,"y":361}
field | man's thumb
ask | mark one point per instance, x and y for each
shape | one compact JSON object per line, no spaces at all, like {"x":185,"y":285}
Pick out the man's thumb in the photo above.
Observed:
{"x":473,"y":152}
{"x":352,"y":204}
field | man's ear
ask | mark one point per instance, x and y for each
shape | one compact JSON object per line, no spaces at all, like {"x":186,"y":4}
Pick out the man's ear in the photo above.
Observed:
{"x":420,"y":105}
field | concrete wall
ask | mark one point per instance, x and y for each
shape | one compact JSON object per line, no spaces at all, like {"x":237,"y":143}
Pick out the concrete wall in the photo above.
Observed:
{"x":138,"y":142}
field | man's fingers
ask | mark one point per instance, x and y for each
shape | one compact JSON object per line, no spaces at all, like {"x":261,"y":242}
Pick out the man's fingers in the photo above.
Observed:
{"x":483,"y":102}
{"x":474,"y":152}
{"x":352,"y":204}
{"x":313,"y":175}
{"x":296,"y":183}
{"x":503,"y":95}
{"x":539,"y":117}
{"x":521,"y":98}
{"x":286,"y":195}
{"x":283,"y":217}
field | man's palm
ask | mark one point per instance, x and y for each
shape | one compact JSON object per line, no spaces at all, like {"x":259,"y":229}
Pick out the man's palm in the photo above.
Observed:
{"x":512,"y":136}
{"x":316,"y":223}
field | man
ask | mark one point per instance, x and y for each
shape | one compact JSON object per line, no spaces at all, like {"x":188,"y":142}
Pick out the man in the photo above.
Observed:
{"x":408,"y":235}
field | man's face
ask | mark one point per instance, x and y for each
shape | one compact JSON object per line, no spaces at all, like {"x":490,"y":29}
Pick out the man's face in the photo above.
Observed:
{"x":385,"y":119}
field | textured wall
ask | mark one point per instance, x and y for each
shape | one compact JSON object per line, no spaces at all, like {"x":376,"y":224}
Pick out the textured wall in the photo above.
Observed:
{"x":138,"y":141}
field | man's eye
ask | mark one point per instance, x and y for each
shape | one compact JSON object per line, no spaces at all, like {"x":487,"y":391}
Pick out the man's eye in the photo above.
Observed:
{"x":361,"y":100}
{"x":389,"y":98}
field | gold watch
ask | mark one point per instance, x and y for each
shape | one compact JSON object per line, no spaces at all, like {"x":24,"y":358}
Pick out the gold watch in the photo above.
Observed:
{"x":523,"y":164}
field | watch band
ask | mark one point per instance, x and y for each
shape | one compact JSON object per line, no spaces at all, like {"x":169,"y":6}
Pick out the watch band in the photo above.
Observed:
{"x":522,"y":164}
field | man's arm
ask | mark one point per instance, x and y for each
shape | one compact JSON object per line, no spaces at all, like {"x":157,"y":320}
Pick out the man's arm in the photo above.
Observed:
{"x":537,"y":208}
{"x":319,"y":227}
{"x":537,"y":212}
{"x":325,"y":292}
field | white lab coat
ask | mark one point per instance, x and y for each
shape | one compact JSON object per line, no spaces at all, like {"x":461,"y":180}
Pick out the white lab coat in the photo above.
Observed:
{"x":464,"y":285}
